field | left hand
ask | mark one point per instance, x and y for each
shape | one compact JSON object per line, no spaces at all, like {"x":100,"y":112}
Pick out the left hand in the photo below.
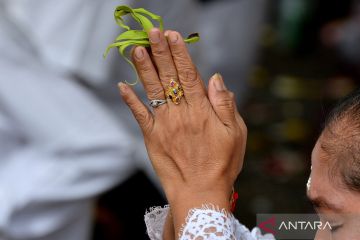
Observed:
{"x":196,"y":147}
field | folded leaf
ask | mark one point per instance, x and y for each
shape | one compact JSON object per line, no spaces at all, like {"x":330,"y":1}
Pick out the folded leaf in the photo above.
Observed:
{"x":132,"y":34}
{"x":137,"y":37}
{"x":152,"y":15}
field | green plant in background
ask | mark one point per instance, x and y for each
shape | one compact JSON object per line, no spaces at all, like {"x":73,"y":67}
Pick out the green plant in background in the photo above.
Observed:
{"x":137,"y":37}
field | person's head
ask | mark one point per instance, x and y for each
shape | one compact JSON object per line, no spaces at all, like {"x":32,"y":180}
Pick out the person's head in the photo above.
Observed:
{"x":334,"y":184}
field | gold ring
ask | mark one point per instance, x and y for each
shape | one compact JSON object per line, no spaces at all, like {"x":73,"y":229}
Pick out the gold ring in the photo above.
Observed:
{"x":174,"y":92}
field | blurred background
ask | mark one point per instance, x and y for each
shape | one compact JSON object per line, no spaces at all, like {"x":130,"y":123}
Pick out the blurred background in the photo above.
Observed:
{"x":72,"y":161}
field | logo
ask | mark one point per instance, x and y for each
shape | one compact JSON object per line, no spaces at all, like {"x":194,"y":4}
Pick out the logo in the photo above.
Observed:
{"x":291,"y":226}
{"x":303,"y":225}
{"x":268,"y":226}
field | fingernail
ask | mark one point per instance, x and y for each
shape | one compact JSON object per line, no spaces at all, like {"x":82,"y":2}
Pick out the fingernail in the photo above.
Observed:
{"x":174,"y":37}
{"x":122,"y":87}
{"x":139,"y":54}
{"x":154,"y":35}
{"x":219,"y":83}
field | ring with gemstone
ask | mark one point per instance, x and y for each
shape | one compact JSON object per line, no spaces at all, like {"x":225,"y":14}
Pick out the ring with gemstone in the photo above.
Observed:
{"x":157,"y":102}
{"x":174,"y":92}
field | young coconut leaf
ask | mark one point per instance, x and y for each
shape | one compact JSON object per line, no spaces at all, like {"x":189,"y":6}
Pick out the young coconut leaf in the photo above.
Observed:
{"x":137,"y":37}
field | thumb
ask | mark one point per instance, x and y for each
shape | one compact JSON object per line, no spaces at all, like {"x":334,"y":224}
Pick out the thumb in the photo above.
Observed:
{"x":222,"y":100}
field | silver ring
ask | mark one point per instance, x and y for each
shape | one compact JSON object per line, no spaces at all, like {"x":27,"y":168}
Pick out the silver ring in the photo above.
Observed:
{"x":157,"y":102}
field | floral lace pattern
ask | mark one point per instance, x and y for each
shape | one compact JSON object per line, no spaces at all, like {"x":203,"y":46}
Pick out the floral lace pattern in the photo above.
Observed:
{"x":206,"y":223}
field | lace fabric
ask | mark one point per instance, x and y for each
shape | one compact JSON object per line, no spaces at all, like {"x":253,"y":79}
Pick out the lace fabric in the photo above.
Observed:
{"x":206,"y":223}
{"x":155,"y":221}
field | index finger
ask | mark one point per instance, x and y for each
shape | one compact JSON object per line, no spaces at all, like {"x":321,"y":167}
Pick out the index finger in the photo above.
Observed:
{"x":189,"y":77}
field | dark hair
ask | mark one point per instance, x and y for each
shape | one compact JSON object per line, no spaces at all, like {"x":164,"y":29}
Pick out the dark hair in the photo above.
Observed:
{"x":343,"y":123}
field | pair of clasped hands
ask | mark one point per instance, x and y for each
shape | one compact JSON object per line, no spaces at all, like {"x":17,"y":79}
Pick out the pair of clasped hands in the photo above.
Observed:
{"x":196,"y":147}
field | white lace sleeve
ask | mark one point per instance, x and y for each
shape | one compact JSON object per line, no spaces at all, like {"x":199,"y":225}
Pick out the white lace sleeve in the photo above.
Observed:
{"x":155,"y":221}
{"x":206,"y":223}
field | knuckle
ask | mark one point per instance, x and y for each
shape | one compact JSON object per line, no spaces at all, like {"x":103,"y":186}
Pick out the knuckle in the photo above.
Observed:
{"x":144,"y":120}
{"x":159,"y":49}
{"x":144,"y":66}
{"x":155,"y":91}
{"x":167,"y":76}
{"x":141,"y":116}
{"x":189,"y":75}
{"x":225,"y":101}
{"x":179,"y":49}
{"x":180,"y":56}
{"x":228,"y":95}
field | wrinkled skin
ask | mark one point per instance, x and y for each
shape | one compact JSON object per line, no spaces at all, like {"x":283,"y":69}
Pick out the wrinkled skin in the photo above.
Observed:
{"x":333,"y":201}
{"x":196,"y":147}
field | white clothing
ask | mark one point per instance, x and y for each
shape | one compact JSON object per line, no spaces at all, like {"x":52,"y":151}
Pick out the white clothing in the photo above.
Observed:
{"x":206,"y":223}
{"x":60,"y":147}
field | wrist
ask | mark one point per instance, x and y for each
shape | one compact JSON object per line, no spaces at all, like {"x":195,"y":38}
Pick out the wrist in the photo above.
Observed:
{"x":199,"y":192}
{"x":195,"y":199}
